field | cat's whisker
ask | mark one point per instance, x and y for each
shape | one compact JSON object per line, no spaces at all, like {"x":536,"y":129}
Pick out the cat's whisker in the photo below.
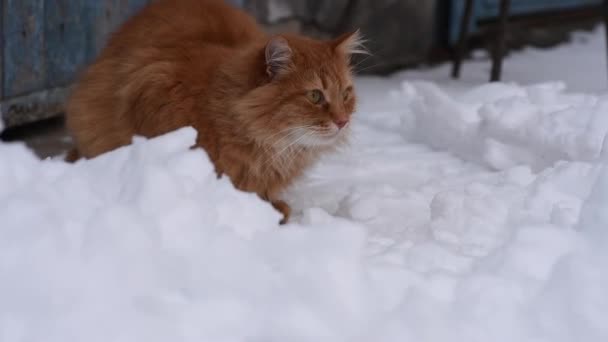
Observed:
{"x":368,"y":67}
{"x":276,"y":144}
{"x":290,"y":130}
{"x":284,"y":156}
{"x":291,"y":153}
{"x":293,"y":142}
{"x":279,"y":144}
{"x":361,"y":61}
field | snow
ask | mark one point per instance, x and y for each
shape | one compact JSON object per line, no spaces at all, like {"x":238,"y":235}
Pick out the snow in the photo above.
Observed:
{"x":507,"y":125}
{"x":459,"y":213}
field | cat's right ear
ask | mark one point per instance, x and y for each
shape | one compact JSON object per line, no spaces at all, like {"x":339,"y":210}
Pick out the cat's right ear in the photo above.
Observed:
{"x":278,"y":57}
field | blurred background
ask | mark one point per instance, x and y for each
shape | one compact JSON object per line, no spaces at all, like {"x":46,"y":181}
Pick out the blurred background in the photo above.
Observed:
{"x":45,"y":43}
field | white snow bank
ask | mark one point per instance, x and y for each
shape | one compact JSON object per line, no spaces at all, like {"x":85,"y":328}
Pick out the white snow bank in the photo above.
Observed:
{"x":504,"y":125}
{"x":573,"y":304}
{"x":144,"y":243}
{"x":157,"y":181}
{"x":393,"y":241}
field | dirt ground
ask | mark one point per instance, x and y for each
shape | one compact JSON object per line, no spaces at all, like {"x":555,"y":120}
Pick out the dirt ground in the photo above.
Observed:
{"x":48,"y":138}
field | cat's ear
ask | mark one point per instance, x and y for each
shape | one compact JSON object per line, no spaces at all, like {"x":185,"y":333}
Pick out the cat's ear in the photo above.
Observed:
{"x":278,"y":56}
{"x":350,"y":44}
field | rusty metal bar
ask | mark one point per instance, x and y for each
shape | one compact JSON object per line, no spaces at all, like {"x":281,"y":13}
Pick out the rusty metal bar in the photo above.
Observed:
{"x":462,"y":38}
{"x":499,"y":41}
{"x":606,"y":28}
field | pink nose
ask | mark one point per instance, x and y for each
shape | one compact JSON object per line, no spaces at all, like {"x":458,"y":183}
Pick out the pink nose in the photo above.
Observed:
{"x":341,"y":123}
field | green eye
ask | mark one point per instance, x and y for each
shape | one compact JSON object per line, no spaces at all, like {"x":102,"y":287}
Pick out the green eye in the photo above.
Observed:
{"x":315,"y":96}
{"x":346,"y":93}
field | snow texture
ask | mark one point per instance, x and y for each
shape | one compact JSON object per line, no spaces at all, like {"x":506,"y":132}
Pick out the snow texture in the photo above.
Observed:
{"x":506,"y":125}
{"x":469,"y":215}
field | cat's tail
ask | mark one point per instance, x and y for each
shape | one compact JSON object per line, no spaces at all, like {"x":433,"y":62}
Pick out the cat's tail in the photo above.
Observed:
{"x":72,"y":156}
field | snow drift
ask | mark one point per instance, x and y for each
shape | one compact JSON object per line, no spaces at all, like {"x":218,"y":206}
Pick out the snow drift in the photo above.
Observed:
{"x":503,"y":125}
{"x":471,"y":217}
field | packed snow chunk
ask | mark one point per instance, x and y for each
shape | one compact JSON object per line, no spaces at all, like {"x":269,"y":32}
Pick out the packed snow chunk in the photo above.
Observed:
{"x":573,"y":304}
{"x":535,"y":250}
{"x":17,"y":167}
{"x":594,"y":216}
{"x":558,"y":193}
{"x":160,"y":172}
{"x":505,"y":125}
{"x":474,"y":222}
{"x":434,"y":118}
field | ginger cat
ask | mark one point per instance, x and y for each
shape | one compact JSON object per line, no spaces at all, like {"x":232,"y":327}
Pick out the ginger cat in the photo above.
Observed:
{"x":265,"y":107}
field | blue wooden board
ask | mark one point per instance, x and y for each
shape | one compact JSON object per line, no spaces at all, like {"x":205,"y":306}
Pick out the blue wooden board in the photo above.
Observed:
{"x":47,"y":42}
{"x":1,"y":51}
{"x":488,"y":9}
{"x":65,"y":40}
{"x":238,"y":3}
{"x":24,"y":52}
{"x":104,"y":17}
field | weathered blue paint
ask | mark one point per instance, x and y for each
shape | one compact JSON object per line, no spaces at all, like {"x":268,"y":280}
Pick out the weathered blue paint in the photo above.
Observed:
{"x":488,"y":9}
{"x":65,"y":40}
{"x":46,"y":43}
{"x":1,"y":50}
{"x":24,"y":51}
{"x":238,"y":3}
{"x":105,"y":16}
{"x":43,"y":46}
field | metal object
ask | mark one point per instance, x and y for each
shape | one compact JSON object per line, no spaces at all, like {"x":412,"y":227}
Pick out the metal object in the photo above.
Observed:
{"x":462,"y":39}
{"x":498,"y":52}
{"x":606,"y":27}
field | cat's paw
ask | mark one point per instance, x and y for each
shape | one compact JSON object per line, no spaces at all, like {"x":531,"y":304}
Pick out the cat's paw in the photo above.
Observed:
{"x":284,"y":209}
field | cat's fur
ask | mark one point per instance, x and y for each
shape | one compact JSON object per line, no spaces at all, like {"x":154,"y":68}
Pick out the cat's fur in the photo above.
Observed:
{"x":205,"y":64}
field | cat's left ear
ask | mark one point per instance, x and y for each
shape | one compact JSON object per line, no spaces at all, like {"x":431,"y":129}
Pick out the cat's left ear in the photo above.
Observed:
{"x":278,"y":56}
{"x":350,"y":44}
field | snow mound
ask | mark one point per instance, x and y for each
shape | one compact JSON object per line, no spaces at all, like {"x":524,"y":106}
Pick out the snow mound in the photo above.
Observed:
{"x":505,"y":125}
{"x":156,"y":181}
{"x":496,"y":233}
{"x":391,"y":241}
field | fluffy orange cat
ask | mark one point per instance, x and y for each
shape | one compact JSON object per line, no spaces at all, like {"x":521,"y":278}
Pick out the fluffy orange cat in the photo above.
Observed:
{"x":265,"y":107}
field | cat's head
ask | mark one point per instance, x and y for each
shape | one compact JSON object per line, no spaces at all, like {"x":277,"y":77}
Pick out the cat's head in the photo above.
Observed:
{"x":306,"y":95}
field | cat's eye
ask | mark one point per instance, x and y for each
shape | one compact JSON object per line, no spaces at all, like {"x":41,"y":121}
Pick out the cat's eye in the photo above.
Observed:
{"x":346,"y":93}
{"x":315,"y":96}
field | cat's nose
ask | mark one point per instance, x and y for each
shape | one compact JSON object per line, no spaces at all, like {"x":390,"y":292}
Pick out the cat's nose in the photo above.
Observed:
{"x":341,"y":123}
